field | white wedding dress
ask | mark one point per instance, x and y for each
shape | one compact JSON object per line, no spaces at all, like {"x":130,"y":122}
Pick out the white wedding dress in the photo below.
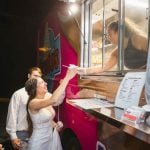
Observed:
{"x":43,"y":136}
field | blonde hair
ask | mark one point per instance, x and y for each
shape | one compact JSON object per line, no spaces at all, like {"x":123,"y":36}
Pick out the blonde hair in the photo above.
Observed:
{"x":35,"y":69}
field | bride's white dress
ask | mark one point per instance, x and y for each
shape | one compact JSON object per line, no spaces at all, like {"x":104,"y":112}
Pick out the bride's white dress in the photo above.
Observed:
{"x":43,"y":136}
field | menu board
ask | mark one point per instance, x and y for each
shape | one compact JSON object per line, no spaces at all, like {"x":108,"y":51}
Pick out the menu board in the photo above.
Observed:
{"x":130,"y":90}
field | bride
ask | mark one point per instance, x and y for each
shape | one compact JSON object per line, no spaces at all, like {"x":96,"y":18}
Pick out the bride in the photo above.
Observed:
{"x":40,"y":113}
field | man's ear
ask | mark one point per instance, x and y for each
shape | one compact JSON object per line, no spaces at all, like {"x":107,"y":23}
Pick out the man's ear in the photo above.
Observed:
{"x":28,"y":75}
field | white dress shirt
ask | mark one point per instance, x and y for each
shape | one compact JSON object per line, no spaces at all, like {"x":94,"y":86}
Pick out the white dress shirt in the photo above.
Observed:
{"x":16,"y":117}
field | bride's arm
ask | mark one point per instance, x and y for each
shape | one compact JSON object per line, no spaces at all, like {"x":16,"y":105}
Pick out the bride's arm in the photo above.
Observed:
{"x":53,"y":99}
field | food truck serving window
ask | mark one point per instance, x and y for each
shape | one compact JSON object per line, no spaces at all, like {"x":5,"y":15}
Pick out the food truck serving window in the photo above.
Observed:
{"x":115,"y":31}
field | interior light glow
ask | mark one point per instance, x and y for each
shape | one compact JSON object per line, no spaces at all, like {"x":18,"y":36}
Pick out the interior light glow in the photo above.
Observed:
{"x":73,"y":8}
{"x":68,"y":1}
{"x":136,"y":3}
{"x":72,"y":1}
{"x":69,"y":12}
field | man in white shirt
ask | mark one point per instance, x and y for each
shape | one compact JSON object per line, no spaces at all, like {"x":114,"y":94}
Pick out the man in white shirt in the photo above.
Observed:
{"x":16,"y":124}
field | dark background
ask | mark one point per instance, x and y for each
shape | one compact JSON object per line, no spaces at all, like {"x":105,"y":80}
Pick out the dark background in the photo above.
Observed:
{"x":19,"y":24}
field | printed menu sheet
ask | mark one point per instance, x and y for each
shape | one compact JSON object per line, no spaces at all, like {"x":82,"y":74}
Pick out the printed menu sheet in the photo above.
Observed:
{"x":130,"y":90}
{"x":91,"y":103}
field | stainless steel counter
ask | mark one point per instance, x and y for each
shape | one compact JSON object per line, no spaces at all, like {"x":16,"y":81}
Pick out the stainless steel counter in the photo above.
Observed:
{"x":113,"y":116}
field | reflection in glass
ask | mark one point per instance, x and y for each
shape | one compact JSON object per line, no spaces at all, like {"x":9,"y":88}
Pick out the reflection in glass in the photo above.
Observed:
{"x":102,"y":15}
{"x":136,"y":34}
{"x":135,"y":37}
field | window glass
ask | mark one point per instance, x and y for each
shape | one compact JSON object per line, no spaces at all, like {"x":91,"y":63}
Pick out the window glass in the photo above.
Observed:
{"x":136,"y":34}
{"x":102,"y":44}
{"x":102,"y":15}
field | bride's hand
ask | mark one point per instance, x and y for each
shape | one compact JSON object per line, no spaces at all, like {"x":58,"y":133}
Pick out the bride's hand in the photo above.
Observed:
{"x":71,"y":72}
{"x":59,"y":125}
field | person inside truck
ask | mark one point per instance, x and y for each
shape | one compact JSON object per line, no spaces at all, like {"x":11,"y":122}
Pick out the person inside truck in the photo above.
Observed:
{"x":135,"y":49}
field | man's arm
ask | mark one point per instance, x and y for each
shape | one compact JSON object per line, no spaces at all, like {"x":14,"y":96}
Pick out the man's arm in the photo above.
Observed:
{"x":11,"y":123}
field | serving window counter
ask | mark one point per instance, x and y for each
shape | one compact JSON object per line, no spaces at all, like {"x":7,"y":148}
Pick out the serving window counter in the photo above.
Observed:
{"x":112,"y":131}
{"x":115,"y":134}
{"x":104,"y":126}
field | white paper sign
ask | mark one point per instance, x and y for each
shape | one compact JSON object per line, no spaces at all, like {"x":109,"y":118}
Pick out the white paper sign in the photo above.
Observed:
{"x":130,"y":90}
{"x":92,"y":103}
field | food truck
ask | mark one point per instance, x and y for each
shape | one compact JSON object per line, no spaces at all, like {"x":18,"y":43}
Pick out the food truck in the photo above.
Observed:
{"x":82,"y":39}
{"x":107,"y":104}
